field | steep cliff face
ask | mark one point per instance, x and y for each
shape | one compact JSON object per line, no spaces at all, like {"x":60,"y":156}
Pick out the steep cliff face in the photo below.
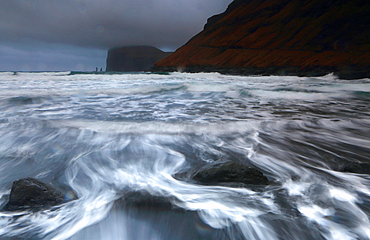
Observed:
{"x":134,"y":58}
{"x":300,"y":37}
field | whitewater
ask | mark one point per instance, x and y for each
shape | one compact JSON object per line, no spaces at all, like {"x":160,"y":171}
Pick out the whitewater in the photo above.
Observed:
{"x":123,"y":148}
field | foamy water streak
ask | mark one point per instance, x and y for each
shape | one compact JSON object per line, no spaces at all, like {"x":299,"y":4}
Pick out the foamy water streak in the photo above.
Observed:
{"x":103,"y":137}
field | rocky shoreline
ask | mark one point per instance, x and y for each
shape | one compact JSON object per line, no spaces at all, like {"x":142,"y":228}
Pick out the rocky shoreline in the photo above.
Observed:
{"x":34,"y":195}
{"x":345,"y":73}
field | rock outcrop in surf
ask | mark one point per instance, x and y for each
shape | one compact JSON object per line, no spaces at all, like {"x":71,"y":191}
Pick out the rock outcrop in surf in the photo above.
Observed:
{"x":229,"y":172}
{"x":283,"y":37}
{"x":30,"y":193}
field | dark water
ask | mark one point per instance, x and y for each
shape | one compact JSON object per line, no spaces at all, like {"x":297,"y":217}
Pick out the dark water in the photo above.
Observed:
{"x":116,"y":142}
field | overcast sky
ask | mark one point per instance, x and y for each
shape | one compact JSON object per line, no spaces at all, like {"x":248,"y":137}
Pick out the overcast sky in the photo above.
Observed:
{"x":40,"y":35}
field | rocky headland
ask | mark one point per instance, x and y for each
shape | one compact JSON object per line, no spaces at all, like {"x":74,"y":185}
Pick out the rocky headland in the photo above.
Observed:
{"x":133,"y":58}
{"x":281,"y":37}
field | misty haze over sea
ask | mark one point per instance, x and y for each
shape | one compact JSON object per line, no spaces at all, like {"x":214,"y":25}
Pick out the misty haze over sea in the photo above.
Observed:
{"x":127,"y":146}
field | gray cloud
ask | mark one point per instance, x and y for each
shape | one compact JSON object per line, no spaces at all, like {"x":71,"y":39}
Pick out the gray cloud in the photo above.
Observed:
{"x":101,"y":24}
{"x":106,"y":23}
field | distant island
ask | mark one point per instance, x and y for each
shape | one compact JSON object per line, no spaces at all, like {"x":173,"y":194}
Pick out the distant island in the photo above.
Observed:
{"x":133,"y":58}
{"x":282,"y":37}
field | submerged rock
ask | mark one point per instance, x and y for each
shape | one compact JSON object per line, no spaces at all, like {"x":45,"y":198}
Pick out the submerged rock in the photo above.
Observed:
{"x":143,"y":199}
{"x":30,"y":193}
{"x":229,"y":172}
{"x":361,"y":168}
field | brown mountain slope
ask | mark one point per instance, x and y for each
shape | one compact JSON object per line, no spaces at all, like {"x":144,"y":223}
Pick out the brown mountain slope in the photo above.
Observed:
{"x":299,"y":37}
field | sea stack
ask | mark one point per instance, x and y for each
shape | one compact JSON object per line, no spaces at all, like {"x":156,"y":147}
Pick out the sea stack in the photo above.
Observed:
{"x":133,"y":58}
{"x":282,"y":37}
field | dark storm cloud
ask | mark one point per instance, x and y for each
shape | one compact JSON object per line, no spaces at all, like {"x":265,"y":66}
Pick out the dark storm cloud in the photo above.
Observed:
{"x":106,"y":23}
{"x":38,"y":32}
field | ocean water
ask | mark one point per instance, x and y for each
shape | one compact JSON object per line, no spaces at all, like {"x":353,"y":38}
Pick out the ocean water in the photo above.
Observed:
{"x":126,"y":145}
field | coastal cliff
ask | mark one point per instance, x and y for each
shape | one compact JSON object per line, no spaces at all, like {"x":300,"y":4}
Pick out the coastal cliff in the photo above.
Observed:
{"x":283,"y":37}
{"x":133,"y":58}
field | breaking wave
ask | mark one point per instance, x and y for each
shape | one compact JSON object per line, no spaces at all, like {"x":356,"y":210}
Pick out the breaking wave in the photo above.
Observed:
{"x":123,"y":148}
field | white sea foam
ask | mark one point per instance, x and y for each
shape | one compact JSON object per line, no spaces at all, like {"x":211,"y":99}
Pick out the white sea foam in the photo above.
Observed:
{"x":104,"y":136}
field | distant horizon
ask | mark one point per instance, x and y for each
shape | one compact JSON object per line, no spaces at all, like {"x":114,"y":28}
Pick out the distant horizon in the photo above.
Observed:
{"x":83,"y":68}
{"x":76,"y":36}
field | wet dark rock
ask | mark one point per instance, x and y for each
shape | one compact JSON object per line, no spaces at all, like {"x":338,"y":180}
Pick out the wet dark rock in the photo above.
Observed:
{"x":30,"y":193}
{"x":361,"y":168}
{"x":229,"y":172}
